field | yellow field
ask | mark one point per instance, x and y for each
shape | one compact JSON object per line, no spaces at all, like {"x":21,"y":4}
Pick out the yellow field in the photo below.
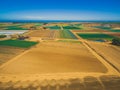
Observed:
{"x":55,"y":57}
{"x":7,"y":53}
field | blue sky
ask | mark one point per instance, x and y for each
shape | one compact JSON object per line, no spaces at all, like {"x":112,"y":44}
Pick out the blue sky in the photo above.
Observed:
{"x":59,"y":10}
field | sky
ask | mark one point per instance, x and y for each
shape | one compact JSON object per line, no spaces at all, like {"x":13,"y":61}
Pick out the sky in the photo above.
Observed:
{"x":59,"y":9}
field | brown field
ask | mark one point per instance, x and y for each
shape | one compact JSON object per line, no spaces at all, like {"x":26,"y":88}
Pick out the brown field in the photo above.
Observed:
{"x":6,"y":53}
{"x":44,"y":34}
{"x":55,"y":57}
{"x":27,"y":26}
{"x":115,"y":34}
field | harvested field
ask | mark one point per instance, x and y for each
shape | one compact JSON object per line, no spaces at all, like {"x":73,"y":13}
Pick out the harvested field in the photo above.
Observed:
{"x":50,"y":34}
{"x":6,"y":53}
{"x":55,"y":57}
{"x":115,"y":34}
{"x":70,"y":41}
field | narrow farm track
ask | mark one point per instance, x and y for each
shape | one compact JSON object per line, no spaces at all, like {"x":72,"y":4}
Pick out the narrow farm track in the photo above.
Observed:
{"x":104,"y":52}
{"x":111,"y":54}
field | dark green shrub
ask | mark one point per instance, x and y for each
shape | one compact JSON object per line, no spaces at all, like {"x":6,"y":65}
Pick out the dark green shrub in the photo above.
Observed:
{"x":116,"y":41}
{"x":3,"y":36}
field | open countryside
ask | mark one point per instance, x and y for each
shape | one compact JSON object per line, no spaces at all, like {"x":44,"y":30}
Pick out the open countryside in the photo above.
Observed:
{"x":59,"y":56}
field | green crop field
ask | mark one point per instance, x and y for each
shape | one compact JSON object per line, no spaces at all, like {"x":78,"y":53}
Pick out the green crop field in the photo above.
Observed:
{"x":67,"y":34}
{"x":53,"y":27}
{"x":18,"y":43}
{"x":38,"y":24}
{"x":104,"y":28}
{"x":15,"y":28}
{"x":115,"y":30}
{"x":96,"y":36}
{"x":107,"y":28}
{"x":72,"y":27}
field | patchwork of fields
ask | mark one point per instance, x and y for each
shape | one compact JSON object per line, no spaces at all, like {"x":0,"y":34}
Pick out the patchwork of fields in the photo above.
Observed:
{"x":58,"y":30}
{"x":55,"y":57}
{"x":108,"y":29}
{"x":52,"y":51}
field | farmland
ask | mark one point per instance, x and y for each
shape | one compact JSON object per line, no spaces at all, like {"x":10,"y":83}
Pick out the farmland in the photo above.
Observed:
{"x":115,"y":30}
{"x":15,"y":28}
{"x":12,"y":27}
{"x":8,"y":52}
{"x":17,"y":43}
{"x":71,"y":27}
{"x":108,"y":29}
{"x":46,"y":56}
{"x":53,"y":27}
{"x":70,"y":41}
{"x":96,"y":36}
{"x":66,"y":34}
{"x":44,"y":34}
{"x":56,"y":55}
{"x":52,"y":34}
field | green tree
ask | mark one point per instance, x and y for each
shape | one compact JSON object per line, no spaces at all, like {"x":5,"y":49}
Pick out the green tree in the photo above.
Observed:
{"x":116,"y":41}
{"x":3,"y":36}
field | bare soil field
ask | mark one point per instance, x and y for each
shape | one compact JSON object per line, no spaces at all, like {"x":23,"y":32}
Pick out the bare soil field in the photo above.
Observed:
{"x":6,"y":53}
{"x":115,"y":34}
{"x":51,"y":34}
{"x":55,"y":57}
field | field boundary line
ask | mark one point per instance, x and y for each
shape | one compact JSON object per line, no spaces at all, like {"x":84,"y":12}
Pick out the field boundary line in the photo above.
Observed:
{"x":111,"y":68}
{"x":15,"y":58}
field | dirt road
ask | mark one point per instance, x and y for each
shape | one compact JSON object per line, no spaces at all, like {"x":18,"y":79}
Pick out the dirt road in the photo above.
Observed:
{"x":111,"y":54}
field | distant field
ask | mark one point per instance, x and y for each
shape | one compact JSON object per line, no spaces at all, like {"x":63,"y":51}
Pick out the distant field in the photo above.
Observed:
{"x":96,"y":36}
{"x":12,"y":27}
{"x":70,"y":41}
{"x":115,"y":30}
{"x":38,"y":24}
{"x":108,"y":29}
{"x":67,"y":34}
{"x":53,"y":27}
{"x":71,"y":27}
{"x":17,"y":43}
{"x":15,"y":28}
{"x":104,"y":28}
